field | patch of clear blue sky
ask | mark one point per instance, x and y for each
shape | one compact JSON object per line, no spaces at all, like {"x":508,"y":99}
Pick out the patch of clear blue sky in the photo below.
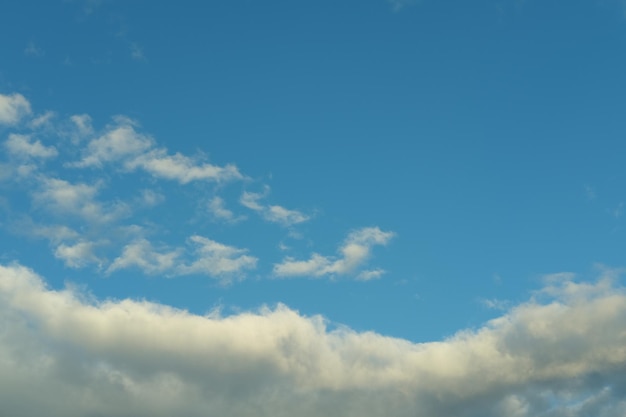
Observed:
{"x":489,"y":135}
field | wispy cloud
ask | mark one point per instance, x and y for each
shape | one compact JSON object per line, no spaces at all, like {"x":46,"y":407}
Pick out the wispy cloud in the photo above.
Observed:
{"x":562,"y":357}
{"x":33,"y":50}
{"x":217,"y":209}
{"x":272,"y":213}
{"x":355,"y":252}
{"x":398,"y":5}
{"x":136,"y":52}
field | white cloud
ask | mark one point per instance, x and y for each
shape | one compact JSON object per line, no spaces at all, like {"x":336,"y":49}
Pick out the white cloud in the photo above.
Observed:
{"x":150,"y":198}
{"x":83,"y":127}
{"x":42,"y":120}
{"x":13,"y":108}
{"x":182,"y":168}
{"x":65,"y":356}
{"x":54,"y":233}
{"x":371,"y":274}
{"x":216,"y":259}
{"x":141,"y":254}
{"x":121,"y":143}
{"x":217,"y":209}
{"x":272,"y":213}
{"x":65,"y":198}
{"x":209,"y":258}
{"x":77,"y":255}
{"x":355,"y":252}
{"x":22,"y":146}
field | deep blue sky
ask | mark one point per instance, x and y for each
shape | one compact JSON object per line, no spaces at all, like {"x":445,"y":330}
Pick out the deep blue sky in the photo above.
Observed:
{"x":488,"y":136}
{"x":315,"y":208}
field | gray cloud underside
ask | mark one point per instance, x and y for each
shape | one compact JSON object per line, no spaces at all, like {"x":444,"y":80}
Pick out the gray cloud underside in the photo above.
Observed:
{"x":63,"y":354}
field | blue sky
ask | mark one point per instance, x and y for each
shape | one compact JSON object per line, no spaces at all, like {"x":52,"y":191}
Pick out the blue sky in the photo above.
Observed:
{"x":436,"y":186}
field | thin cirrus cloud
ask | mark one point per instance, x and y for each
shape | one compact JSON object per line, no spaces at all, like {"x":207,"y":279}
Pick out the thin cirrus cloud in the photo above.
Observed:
{"x":559,"y":354}
{"x":355,"y":251}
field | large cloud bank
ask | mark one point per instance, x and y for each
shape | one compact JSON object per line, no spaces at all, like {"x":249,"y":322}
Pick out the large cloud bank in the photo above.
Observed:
{"x":62,"y":353}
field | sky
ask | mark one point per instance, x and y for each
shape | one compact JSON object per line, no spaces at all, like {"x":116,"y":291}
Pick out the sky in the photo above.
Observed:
{"x":313,"y":208}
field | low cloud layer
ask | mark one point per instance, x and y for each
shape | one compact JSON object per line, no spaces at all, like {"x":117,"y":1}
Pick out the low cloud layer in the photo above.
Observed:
{"x":559,"y":354}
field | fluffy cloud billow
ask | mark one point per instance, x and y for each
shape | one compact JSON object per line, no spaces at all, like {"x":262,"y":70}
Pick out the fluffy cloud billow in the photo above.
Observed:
{"x":559,"y":354}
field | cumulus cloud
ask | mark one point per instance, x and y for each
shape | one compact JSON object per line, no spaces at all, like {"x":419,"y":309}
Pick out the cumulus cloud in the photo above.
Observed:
{"x":216,"y":259}
{"x":272,"y":213}
{"x":141,"y":254}
{"x":24,"y":147}
{"x":355,"y":252}
{"x":209,"y":258}
{"x":13,"y":108}
{"x":64,"y":356}
{"x":77,"y":255}
{"x":77,"y":199}
{"x":122,"y":143}
{"x":117,"y":143}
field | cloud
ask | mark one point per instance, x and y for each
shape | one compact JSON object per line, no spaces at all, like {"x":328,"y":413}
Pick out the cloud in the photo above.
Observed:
{"x":216,"y":259}
{"x":22,"y":146}
{"x":77,"y":199}
{"x":121,"y":143}
{"x":355,"y":252}
{"x":217,"y":209}
{"x":142,"y":255}
{"x":370,"y":275}
{"x":136,"y":52}
{"x":118,"y":143}
{"x":65,"y":354}
{"x":272,"y":213}
{"x":83,"y":127}
{"x":33,"y":50}
{"x":398,"y":5}
{"x":209,"y":258}
{"x":182,"y":168}
{"x":78,"y":255}
{"x":13,"y":108}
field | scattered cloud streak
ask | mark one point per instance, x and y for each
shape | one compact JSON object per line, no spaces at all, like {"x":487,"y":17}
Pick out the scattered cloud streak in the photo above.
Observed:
{"x":93,"y":196}
{"x":355,"y":252}
{"x":272,"y":213}
{"x":398,"y":5}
